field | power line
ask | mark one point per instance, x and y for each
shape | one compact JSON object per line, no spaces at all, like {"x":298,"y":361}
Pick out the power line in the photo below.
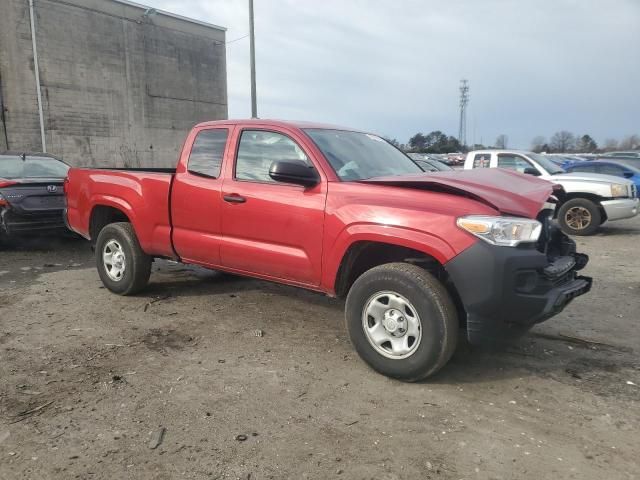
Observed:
{"x":236,"y":39}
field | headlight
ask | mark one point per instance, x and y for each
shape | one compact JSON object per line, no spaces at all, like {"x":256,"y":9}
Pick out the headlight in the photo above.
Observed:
{"x":505,"y":231}
{"x":619,"y":191}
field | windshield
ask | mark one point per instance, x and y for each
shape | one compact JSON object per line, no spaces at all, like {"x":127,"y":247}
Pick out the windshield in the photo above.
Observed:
{"x":12,"y":168}
{"x":357,"y":156}
{"x":546,"y":163}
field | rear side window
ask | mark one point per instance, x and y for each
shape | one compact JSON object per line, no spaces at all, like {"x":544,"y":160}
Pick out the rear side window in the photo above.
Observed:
{"x":481,"y":160}
{"x":611,"y":170}
{"x":206,"y":154}
{"x":258,"y":149}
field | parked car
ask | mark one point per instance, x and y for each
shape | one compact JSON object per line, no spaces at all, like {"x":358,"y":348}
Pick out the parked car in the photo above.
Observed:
{"x":428,"y":163}
{"x":455,"y":158}
{"x":31,"y":195}
{"x":344,"y":213}
{"x":563,"y":161}
{"x":618,"y":167}
{"x":632,"y":154}
{"x":591,"y":198}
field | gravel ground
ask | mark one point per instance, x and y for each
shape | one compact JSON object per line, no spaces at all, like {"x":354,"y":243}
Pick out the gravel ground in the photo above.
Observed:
{"x":178,"y":383}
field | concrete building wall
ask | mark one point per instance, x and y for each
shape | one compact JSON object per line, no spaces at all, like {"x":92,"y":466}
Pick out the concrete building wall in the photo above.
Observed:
{"x":119,"y":88}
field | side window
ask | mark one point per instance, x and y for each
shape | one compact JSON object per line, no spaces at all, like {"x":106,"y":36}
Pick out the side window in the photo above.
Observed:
{"x":481,"y":160}
{"x":513,"y":162}
{"x":207,"y":151}
{"x":582,"y":168}
{"x":611,"y":170}
{"x":258,"y":149}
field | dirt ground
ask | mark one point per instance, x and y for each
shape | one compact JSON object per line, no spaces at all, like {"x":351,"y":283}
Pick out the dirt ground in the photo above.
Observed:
{"x":176,"y":383}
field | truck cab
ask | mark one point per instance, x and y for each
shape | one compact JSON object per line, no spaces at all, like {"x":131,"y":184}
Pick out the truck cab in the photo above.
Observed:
{"x":591,"y":198}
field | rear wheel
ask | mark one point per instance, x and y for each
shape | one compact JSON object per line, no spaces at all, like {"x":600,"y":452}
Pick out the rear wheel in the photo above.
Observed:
{"x":122,"y":265}
{"x":401,"y":321}
{"x":579,"y":216}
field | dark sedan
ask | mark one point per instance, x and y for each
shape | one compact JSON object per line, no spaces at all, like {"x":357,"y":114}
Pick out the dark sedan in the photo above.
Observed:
{"x":31,"y":194}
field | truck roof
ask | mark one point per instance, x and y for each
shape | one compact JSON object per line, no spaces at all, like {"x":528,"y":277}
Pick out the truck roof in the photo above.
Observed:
{"x":276,"y":123}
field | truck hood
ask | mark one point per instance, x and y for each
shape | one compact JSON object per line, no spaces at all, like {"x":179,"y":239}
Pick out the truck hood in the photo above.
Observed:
{"x":508,"y":192}
{"x":588,"y":177}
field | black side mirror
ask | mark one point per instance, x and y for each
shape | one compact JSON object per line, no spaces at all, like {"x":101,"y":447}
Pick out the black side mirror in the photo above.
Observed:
{"x":531,"y":171}
{"x":294,"y":171}
{"x":627,"y":174}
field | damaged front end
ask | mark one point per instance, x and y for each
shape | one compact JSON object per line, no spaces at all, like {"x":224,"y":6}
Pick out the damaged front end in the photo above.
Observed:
{"x":505,"y":291}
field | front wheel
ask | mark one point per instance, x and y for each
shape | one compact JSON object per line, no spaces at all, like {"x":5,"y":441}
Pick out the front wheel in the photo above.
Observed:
{"x":401,"y":321}
{"x":579,"y":216}
{"x":122,"y":265}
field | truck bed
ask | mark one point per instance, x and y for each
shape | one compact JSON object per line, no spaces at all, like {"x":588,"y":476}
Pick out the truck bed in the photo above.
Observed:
{"x":141,"y":193}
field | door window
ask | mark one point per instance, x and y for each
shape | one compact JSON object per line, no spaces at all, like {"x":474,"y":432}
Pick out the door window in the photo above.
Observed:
{"x":258,"y":149}
{"x":582,"y":168}
{"x":513,"y":162}
{"x":206,"y":154}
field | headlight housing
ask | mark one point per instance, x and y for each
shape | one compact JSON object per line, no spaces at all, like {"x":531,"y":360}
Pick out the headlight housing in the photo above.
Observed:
{"x":504,"y":231}
{"x":618,"y":190}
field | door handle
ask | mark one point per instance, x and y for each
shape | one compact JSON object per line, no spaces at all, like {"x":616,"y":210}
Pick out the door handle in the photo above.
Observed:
{"x":234,"y":198}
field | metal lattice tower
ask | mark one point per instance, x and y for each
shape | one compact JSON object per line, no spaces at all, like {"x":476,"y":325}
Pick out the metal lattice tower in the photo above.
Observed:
{"x":464,"y":100}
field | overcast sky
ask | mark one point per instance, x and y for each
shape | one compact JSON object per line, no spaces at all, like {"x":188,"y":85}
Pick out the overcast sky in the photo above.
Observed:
{"x":393,"y":67}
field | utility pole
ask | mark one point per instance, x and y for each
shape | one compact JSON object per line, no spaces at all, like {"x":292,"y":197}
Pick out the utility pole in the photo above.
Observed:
{"x":464,"y":100}
{"x":252,"y":53}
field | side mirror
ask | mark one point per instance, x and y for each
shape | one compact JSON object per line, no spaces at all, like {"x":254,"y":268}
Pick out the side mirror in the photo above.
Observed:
{"x":531,"y":171}
{"x":628,"y":174}
{"x":294,"y":171}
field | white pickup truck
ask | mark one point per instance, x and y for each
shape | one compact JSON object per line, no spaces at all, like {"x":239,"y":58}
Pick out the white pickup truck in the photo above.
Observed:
{"x":591,"y":198}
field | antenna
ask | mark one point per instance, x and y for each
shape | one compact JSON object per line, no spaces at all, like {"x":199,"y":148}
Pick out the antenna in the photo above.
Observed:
{"x":464,"y":101}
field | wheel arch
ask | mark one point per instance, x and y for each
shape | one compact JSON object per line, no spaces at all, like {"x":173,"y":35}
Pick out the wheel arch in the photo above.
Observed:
{"x":104,"y":214}
{"x":362,"y":255}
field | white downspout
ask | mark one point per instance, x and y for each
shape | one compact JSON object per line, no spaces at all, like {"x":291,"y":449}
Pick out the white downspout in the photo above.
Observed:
{"x":37,"y":71}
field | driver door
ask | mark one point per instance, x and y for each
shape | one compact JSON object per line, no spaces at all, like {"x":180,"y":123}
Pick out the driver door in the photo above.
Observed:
{"x":271,"y":229}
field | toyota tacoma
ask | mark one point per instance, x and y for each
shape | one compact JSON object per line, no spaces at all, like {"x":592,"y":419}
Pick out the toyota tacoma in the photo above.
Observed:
{"x":343,"y":212}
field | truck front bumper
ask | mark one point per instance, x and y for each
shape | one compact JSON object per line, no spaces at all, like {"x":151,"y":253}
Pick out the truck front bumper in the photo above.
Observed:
{"x":505,"y":290}
{"x":622,"y":208}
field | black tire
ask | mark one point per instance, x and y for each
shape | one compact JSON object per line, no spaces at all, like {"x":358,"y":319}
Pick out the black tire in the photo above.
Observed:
{"x":584,"y":207}
{"x":438,"y":318}
{"x":137,"y":263}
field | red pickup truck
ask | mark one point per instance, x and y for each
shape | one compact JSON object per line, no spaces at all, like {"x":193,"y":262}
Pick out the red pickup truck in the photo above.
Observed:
{"x":345,"y":213}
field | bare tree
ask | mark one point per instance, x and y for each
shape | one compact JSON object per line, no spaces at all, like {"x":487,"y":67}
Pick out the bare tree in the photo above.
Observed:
{"x":502,"y":141}
{"x":630,"y":142}
{"x":538,"y":144}
{"x":610,"y":144}
{"x":563,"y":141}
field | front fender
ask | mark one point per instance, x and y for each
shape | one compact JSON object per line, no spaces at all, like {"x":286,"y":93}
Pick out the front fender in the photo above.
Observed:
{"x":424,"y":242}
